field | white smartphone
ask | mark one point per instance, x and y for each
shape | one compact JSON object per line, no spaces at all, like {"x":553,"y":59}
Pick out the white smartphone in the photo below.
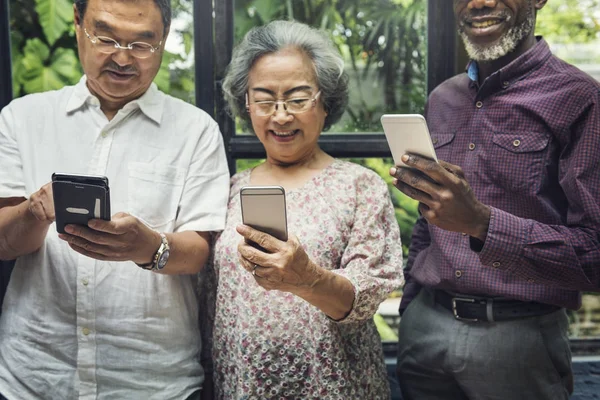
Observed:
{"x":263,"y":208}
{"x":407,"y":133}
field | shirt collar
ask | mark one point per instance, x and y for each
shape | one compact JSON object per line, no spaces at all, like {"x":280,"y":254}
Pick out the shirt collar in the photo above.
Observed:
{"x":516,"y":70}
{"x":150,"y":103}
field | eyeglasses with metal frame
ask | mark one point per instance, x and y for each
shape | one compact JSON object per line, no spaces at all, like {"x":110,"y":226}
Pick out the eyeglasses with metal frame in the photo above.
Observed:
{"x":296,"y":105}
{"x":107,"y":45}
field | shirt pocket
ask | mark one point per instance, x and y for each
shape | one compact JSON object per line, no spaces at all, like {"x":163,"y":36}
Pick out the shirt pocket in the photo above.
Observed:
{"x":441,"y":143}
{"x":517,"y":159}
{"x":154,"y":194}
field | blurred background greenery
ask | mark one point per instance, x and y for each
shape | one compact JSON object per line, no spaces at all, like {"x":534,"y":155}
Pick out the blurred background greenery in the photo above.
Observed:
{"x":384,"y":43}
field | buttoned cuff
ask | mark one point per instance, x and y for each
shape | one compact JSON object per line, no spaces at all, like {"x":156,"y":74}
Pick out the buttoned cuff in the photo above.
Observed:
{"x":505,"y":241}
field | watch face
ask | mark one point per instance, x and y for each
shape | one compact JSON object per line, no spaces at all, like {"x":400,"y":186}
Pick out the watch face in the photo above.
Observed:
{"x":162,"y":261}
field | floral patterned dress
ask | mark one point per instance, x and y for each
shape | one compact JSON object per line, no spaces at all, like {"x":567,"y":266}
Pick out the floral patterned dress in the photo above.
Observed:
{"x":271,"y":344}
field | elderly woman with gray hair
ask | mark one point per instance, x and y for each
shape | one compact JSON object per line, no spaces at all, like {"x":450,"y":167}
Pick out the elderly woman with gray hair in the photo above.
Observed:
{"x":295,"y":320}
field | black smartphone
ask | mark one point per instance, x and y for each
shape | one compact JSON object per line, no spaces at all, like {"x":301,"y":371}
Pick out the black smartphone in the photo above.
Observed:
{"x":263,"y":208}
{"x":79,"y":198}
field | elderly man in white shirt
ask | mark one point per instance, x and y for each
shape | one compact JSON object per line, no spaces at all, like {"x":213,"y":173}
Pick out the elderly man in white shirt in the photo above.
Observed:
{"x":80,"y":318}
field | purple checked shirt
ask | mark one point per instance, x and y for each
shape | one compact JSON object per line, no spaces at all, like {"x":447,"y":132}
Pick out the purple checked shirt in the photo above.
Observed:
{"x":528,"y":140}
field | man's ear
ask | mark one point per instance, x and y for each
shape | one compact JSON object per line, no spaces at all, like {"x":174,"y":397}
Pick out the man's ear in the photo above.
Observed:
{"x":539,"y":4}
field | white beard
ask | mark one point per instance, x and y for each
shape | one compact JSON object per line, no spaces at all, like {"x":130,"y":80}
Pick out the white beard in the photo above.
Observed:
{"x":507,"y":43}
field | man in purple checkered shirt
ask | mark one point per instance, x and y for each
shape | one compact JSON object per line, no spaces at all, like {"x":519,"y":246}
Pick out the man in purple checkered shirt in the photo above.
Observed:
{"x":509,"y":233}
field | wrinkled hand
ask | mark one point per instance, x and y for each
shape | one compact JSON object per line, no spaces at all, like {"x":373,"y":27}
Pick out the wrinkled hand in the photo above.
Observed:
{"x":41,"y":204}
{"x":446,"y":197}
{"x":124,"y":238}
{"x":286,"y":266}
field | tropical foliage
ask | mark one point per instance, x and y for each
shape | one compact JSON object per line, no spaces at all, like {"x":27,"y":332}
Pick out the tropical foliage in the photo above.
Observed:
{"x":44,"y":49}
{"x":570,"y":21}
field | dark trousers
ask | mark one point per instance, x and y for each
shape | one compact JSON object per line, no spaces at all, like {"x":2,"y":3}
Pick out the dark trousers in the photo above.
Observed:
{"x":440,"y":357}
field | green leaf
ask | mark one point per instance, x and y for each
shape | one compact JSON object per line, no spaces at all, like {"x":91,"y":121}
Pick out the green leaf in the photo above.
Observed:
{"x":387,"y":334}
{"x":188,"y":41}
{"x":56,"y":16}
{"x":163,"y":77}
{"x":65,"y":65}
{"x":266,"y":9}
{"x":40,"y":72}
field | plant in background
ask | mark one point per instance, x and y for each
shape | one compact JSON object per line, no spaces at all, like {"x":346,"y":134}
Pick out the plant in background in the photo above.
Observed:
{"x":43,"y":43}
{"x":44,"y":49}
{"x":570,"y":21}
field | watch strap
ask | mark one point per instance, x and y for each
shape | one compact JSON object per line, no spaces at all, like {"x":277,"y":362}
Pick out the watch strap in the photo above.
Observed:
{"x":152,"y":265}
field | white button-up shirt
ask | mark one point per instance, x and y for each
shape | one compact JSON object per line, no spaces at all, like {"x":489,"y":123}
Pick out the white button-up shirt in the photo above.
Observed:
{"x":73,"y":327}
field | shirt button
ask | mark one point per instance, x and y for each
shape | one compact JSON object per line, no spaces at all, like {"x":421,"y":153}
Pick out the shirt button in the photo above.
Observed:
{"x":531,"y":280}
{"x":85,"y":282}
{"x":505,"y":84}
{"x":496,"y":264}
{"x":434,"y":140}
{"x":471,"y":146}
{"x":458,"y":274}
{"x":85,"y":331}
{"x":464,"y":234}
{"x":104,"y":134}
{"x":516,"y":143}
{"x":479,"y":104}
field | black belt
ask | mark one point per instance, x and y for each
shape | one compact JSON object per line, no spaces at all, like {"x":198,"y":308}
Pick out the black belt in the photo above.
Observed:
{"x":473,"y":308}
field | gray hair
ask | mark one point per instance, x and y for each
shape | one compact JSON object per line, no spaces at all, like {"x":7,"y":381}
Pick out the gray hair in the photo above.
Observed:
{"x":163,"y":5}
{"x":276,"y":36}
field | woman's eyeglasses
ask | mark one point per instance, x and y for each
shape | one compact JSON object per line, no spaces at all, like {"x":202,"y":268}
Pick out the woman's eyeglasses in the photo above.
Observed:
{"x":291,"y":106}
{"x":106,"y":45}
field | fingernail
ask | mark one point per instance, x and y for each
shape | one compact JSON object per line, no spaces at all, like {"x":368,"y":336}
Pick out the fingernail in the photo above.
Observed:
{"x":392,"y":171}
{"x":405,"y":158}
{"x":69,"y":229}
{"x":92,"y":223}
{"x":62,"y":236}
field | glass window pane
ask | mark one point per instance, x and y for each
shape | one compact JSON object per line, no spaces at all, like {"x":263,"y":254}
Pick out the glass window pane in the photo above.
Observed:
{"x":383,"y":43}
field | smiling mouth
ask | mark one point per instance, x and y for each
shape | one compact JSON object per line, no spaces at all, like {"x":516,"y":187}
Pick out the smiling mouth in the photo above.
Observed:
{"x":283,"y":134}
{"x":485,"y":24}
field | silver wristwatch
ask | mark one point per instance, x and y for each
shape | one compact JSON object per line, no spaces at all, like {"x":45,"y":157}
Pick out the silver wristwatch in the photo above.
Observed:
{"x":161,"y":257}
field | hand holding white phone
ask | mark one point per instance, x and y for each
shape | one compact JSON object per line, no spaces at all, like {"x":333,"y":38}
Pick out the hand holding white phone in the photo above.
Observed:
{"x":406,"y":134}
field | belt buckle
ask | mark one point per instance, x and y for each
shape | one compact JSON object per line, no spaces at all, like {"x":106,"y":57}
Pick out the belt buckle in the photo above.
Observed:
{"x":455,"y":300}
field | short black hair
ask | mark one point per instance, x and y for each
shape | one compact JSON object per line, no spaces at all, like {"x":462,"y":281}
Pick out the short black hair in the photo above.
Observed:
{"x":163,"y":5}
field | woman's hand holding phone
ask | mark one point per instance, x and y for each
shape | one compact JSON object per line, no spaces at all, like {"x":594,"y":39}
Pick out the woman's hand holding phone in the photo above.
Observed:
{"x":284,"y":266}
